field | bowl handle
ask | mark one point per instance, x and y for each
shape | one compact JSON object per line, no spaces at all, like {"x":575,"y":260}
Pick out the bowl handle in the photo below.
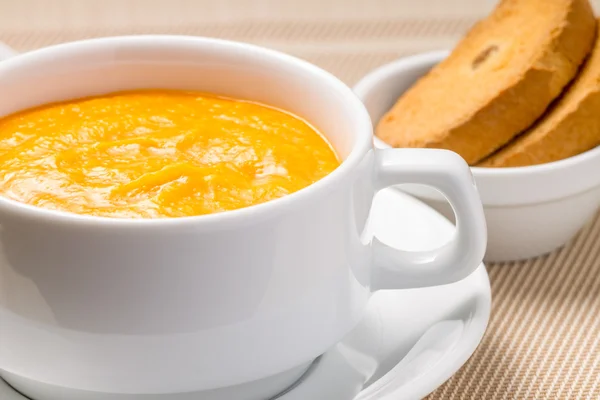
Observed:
{"x":449,"y":173}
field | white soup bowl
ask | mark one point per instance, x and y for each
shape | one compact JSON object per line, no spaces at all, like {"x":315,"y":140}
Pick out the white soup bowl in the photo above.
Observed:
{"x":166,"y":306}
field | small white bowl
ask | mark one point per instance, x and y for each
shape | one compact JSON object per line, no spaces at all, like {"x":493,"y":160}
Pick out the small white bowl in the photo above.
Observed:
{"x":530,"y":211}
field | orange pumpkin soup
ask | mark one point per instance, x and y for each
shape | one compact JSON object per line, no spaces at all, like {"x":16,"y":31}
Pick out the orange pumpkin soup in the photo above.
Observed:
{"x":157,"y":154}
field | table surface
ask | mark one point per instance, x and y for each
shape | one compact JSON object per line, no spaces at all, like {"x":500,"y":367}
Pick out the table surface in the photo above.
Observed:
{"x":543,"y":341}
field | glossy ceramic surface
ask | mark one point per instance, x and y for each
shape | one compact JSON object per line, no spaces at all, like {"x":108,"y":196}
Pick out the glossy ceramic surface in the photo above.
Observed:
{"x":397,"y":351}
{"x":196,"y":303}
{"x":529,"y":211}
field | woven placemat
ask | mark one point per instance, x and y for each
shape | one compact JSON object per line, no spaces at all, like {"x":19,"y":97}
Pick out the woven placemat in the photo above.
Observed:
{"x":543,"y":341}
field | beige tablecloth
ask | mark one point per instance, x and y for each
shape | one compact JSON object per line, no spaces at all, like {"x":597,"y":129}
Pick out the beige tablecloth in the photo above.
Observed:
{"x":543,"y":341}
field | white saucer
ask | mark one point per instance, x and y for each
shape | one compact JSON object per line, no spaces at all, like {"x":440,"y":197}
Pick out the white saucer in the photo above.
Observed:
{"x":410,"y":341}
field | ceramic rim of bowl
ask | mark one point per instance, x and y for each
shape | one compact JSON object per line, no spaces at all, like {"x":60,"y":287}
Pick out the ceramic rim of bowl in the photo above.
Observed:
{"x":220,"y":220}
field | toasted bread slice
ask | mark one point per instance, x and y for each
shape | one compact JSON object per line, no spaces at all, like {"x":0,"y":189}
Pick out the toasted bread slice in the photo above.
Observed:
{"x":498,"y":80}
{"x":570,"y":126}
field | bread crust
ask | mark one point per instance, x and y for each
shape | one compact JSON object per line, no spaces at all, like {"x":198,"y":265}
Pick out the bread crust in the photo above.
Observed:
{"x":497,"y":81}
{"x":570,"y":126}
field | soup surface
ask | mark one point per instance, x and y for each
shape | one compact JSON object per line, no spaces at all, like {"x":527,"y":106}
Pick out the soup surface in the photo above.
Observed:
{"x":157,"y":154}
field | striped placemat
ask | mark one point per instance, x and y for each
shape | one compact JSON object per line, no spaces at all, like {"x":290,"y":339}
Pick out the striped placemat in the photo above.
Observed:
{"x":543,"y":341}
